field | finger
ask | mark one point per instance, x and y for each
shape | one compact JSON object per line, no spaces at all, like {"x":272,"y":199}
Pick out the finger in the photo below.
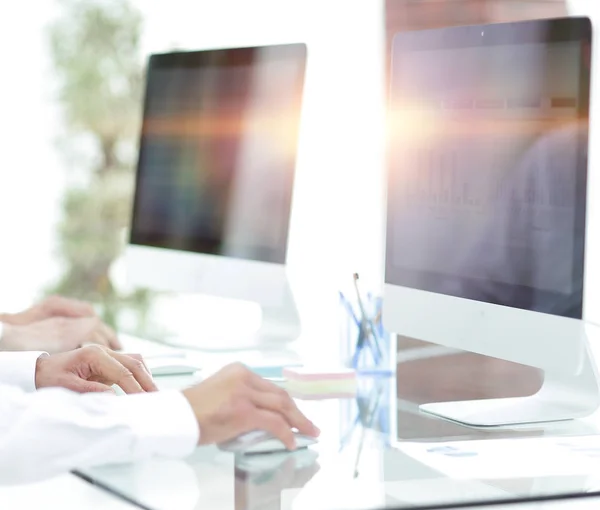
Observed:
{"x":261,"y":384}
{"x":281,"y":403}
{"x":285,"y":402}
{"x":98,"y":338}
{"x":90,"y":331}
{"x":114,"y":342}
{"x":111,"y":337}
{"x":82,"y":386}
{"x":276,"y":425}
{"x":140,"y":358}
{"x":108,"y":370}
{"x":137,"y":368}
{"x":68,"y":307}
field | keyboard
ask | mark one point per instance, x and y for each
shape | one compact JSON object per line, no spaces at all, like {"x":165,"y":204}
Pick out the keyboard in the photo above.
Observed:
{"x":163,"y":359}
{"x":147,"y":348}
{"x":159,"y":358}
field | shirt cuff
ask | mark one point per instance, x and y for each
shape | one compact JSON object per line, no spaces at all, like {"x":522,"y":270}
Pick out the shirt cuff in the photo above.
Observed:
{"x":163,"y":423}
{"x":18,"y":368}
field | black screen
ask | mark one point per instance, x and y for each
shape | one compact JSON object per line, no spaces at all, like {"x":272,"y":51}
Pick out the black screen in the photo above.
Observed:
{"x":218,"y":151}
{"x":488,"y":163}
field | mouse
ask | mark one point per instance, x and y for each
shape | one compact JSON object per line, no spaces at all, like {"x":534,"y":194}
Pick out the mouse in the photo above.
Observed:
{"x":259,"y":441}
{"x":260,"y":464}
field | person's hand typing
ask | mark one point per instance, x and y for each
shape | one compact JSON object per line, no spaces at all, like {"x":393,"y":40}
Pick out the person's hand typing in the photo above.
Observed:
{"x":52,"y":306}
{"x":93,"y":369}
{"x":58,"y":334}
{"x":235,"y":401}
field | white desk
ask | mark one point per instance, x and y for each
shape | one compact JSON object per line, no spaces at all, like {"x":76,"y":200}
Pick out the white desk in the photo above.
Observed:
{"x":66,"y":492}
{"x":567,"y":504}
{"x":323,"y":477}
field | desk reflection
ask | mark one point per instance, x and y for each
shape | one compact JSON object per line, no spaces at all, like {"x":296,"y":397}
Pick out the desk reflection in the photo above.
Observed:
{"x":260,"y":479}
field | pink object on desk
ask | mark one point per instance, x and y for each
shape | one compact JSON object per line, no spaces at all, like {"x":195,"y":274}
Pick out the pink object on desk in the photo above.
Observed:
{"x":314,"y":374}
{"x":315,"y":383}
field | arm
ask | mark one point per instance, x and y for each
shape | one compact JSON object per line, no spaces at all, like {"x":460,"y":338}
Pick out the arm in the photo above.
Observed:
{"x":55,"y":324}
{"x":54,"y":430}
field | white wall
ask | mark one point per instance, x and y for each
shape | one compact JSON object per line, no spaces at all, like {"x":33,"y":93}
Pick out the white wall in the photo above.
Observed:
{"x":583,"y":7}
{"x":31,"y":177}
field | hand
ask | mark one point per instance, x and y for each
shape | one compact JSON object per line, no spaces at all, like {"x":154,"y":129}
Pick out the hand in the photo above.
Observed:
{"x":235,"y":401}
{"x":58,"y":334}
{"x":53,"y":306}
{"x":92,"y":369}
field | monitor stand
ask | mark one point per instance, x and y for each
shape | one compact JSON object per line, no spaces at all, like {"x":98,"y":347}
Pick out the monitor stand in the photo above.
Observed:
{"x":560,"y":398}
{"x":280,"y":325}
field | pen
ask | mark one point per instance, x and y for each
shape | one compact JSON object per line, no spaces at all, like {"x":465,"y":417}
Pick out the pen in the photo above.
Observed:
{"x":349,"y":308}
{"x":366,"y":323}
{"x":358,"y":419}
{"x":371,"y":413}
{"x":359,"y":345}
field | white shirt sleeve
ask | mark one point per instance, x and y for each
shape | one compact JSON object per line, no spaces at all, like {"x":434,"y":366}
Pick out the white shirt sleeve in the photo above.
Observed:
{"x":53,"y":430}
{"x":18,"y":369}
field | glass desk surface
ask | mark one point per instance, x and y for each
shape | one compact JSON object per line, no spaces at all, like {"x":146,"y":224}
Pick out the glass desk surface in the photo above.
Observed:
{"x":379,"y":450}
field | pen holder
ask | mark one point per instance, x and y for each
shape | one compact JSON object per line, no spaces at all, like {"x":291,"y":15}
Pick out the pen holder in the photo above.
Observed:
{"x":366,"y":346}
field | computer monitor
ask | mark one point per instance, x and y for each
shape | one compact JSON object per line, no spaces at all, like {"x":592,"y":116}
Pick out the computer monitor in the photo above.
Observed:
{"x":490,"y":243}
{"x":215,"y":180}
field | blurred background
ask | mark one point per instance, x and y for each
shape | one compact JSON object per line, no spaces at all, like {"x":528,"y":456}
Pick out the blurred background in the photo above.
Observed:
{"x":70,"y":103}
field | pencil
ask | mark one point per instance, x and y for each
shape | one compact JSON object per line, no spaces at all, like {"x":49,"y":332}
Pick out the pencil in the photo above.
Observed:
{"x":368,"y":330}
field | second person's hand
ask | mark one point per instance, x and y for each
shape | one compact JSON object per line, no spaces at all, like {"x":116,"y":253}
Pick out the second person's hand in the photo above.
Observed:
{"x":52,"y":306}
{"x":58,"y":334}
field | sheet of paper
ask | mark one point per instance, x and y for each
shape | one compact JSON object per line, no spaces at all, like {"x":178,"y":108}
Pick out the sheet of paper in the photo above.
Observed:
{"x":509,"y":458}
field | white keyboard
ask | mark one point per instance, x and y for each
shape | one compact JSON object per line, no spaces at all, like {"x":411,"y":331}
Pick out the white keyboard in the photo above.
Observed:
{"x":164,"y":359}
{"x":147,"y":348}
{"x":159,"y":358}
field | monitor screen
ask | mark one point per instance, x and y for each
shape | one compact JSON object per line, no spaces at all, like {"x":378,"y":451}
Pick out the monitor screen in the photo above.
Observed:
{"x":218,"y":151}
{"x":487,"y":155}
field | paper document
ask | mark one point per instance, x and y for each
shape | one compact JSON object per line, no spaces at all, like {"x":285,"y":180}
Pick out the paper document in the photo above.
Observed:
{"x":509,"y":458}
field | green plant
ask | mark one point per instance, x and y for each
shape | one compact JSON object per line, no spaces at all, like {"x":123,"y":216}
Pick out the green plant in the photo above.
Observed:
{"x":95,"y":49}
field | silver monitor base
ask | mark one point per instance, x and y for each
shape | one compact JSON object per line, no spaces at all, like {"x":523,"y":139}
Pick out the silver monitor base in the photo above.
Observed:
{"x":559,"y":398}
